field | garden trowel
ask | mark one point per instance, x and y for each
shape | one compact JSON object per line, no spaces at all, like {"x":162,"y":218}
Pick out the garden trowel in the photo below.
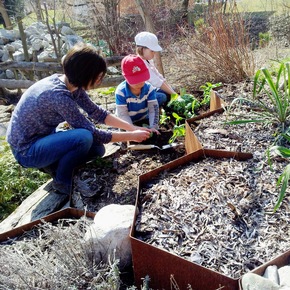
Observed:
{"x":151,"y":146}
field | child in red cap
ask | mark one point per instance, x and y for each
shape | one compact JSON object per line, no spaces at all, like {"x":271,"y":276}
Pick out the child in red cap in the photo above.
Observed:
{"x":135,"y":98}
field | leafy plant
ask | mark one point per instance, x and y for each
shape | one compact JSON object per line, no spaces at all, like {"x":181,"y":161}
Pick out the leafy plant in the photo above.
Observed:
{"x":187,"y":105}
{"x":184,"y":104}
{"x":16,"y":183}
{"x":108,"y":91}
{"x":272,"y":95}
{"x":283,"y":179}
{"x":206,"y":88}
{"x":277,"y":109}
{"x":164,"y":118}
{"x":178,"y":129}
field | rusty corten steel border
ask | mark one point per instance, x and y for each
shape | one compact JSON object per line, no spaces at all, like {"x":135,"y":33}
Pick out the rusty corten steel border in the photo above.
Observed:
{"x":159,"y":264}
{"x":279,"y":261}
{"x":64,"y":213}
{"x":192,"y":143}
{"x":205,"y":115}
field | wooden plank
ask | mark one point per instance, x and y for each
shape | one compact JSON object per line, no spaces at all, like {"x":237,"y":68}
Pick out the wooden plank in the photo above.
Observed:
{"x":40,"y":203}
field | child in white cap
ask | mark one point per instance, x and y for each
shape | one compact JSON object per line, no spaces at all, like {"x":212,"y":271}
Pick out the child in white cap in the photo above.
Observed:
{"x":147,"y":44}
{"x":136,"y":98}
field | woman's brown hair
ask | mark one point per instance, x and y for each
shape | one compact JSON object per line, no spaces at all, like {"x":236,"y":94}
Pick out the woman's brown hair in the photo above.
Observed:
{"x":83,"y":66}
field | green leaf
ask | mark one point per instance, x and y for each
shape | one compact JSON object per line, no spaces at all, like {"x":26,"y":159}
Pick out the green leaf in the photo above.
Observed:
{"x":284,"y":179}
{"x":173,"y":97}
{"x":286,"y":136}
{"x":177,"y":118}
{"x":281,"y":151}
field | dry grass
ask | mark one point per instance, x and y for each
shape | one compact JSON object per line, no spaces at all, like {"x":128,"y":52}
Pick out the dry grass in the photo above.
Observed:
{"x":216,"y":51}
{"x":55,"y":257}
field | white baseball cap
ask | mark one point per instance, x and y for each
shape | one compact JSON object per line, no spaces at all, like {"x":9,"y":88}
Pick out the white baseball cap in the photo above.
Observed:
{"x":147,"y":39}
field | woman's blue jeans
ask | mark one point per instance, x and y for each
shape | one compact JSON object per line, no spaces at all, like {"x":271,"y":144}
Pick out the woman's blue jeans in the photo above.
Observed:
{"x":61,"y":152}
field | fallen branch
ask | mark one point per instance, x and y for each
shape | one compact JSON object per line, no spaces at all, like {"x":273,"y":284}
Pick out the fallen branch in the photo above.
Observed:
{"x":49,"y":67}
{"x":12,"y":84}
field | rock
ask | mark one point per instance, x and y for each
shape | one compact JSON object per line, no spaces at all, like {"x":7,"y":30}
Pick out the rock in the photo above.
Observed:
{"x":251,"y":281}
{"x":5,"y":55}
{"x":19,"y":55}
{"x":17,"y":44}
{"x":36,"y":28}
{"x":10,"y":48}
{"x":10,"y":74}
{"x":112,"y":70}
{"x":36,"y":43}
{"x":108,"y":237}
{"x":71,"y":40}
{"x":271,"y":273}
{"x":3,"y":129}
{"x":284,"y":276}
{"x":8,"y":35}
{"x":46,"y":55}
{"x":66,"y":30}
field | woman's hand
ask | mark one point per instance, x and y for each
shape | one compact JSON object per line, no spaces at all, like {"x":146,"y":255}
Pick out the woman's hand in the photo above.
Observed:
{"x":141,"y":128}
{"x":140,"y":135}
{"x":136,"y":135}
{"x":151,"y":130}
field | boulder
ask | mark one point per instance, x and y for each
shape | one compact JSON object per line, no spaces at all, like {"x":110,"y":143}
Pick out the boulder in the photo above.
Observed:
{"x":251,"y":281}
{"x":108,"y":237}
{"x":284,"y":276}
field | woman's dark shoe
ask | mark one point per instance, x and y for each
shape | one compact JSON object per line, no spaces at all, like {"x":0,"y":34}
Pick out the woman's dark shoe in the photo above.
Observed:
{"x":48,"y":170}
{"x":61,"y":188}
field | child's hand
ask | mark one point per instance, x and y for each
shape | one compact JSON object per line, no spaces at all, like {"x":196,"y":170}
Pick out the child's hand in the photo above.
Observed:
{"x":153,"y":130}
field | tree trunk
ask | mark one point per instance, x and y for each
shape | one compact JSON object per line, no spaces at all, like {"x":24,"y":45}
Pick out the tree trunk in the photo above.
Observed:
{"x":23,"y":38}
{"x":5,"y":16}
{"x":36,"y":6}
{"x":184,"y":6}
{"x":38,"y":11}
{"x":150,"y":27}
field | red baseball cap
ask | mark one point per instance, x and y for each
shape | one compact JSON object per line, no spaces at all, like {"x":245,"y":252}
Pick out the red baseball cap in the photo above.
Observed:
{"x":134,"y":69}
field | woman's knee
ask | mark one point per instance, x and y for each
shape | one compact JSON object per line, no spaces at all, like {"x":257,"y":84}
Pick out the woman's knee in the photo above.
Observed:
{"x":98,"y":150}
{"x":84,"y":138}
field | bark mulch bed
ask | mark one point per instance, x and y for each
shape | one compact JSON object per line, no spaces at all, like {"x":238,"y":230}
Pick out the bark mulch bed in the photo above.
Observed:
{"x":219,"y":212}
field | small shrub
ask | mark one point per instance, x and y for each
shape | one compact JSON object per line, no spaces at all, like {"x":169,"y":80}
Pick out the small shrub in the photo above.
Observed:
{"x":264,"y":39}
{"x":217,"y":50}
{"x":276,"y":107}
{"x":16,"y":182}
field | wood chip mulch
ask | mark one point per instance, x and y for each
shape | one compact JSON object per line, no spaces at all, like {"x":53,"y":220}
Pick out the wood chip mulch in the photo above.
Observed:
{"x":219,"y":212}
